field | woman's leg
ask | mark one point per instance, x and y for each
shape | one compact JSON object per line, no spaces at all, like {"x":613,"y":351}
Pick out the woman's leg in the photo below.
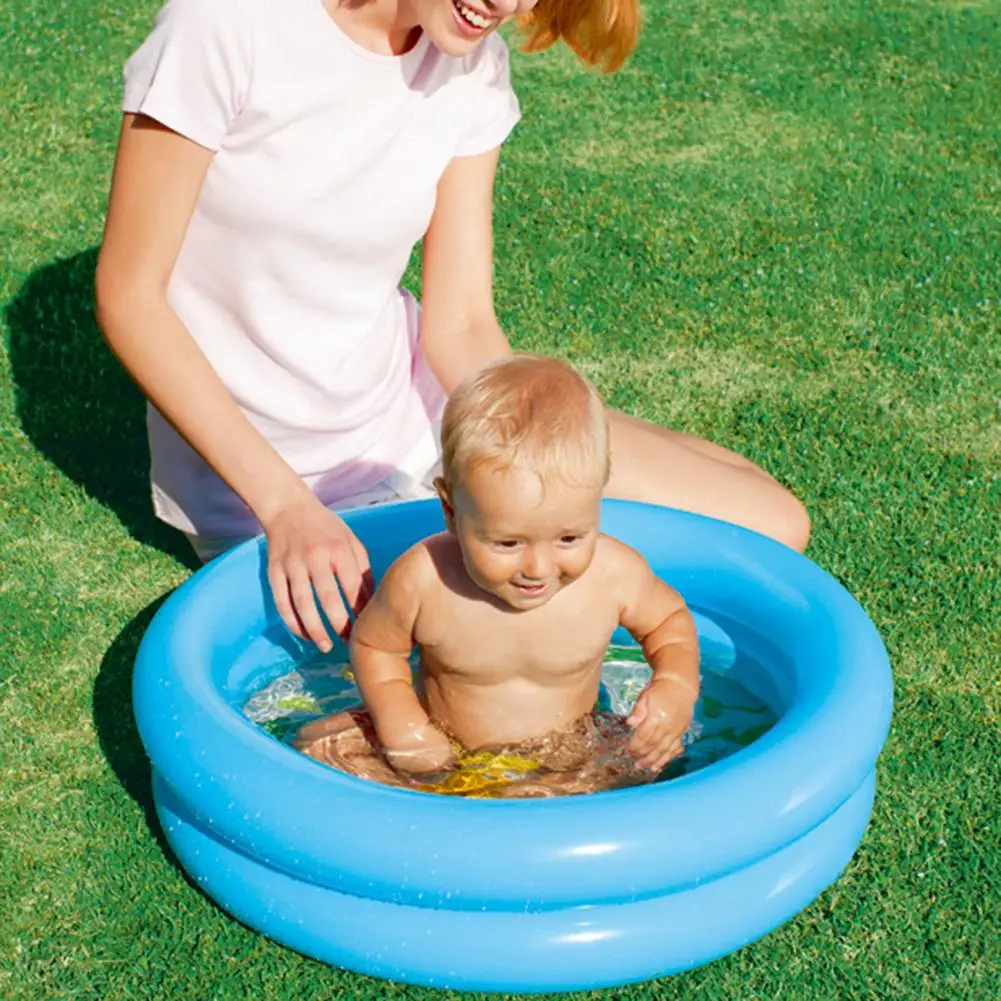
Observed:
{"x":660,"y":466}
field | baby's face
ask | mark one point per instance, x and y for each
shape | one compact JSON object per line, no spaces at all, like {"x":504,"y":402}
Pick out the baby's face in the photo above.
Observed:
{"x":521,"y":540}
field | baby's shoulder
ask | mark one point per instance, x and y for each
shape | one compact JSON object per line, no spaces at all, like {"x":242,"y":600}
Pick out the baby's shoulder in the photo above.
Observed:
{"x":421,"y":566}
{"x":412,"y":564}
{"x":618,"y":566}
{"x":440,"y":553}
{"x":612,"y":554}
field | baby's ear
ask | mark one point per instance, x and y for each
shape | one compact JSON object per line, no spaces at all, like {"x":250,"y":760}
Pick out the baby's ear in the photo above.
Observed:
{"x":448,"y":509}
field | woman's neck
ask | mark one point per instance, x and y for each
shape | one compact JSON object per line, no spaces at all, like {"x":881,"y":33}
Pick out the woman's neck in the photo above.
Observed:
{"x":386,"y":27}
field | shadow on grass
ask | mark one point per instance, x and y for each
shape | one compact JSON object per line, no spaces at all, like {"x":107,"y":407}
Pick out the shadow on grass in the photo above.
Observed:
{"x":76,"y":403}
{"x":114,"y":722}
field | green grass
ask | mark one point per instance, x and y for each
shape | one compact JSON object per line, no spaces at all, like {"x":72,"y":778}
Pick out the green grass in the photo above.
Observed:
{"x":780,"y":228}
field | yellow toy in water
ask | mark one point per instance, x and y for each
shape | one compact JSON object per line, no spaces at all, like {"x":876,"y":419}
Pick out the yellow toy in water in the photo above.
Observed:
{"x":480,"y":773}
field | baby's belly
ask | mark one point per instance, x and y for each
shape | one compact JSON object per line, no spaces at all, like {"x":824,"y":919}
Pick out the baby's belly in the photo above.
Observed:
{"x":519,"y":710}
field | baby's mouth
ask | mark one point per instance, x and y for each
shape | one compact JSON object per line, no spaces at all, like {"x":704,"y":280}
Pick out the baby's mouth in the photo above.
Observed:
{"x":531,"y":589}
{"x":470,"y":19}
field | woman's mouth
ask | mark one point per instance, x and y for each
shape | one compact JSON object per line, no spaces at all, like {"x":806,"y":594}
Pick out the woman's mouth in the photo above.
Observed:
{"x":471,"y":22}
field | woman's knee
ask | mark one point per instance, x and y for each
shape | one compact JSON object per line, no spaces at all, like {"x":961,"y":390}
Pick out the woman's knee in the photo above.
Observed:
{"x":786,"y":520}
{"x":658,"y":466}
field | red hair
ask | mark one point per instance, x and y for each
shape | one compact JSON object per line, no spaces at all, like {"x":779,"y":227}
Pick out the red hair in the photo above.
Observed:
{"x":603,"y":33}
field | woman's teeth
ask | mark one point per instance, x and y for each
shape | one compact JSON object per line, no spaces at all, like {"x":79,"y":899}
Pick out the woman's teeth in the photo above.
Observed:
{"x":470,"y":16}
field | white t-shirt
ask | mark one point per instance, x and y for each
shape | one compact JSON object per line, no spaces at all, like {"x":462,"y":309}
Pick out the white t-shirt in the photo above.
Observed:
{"x":327,"y":158}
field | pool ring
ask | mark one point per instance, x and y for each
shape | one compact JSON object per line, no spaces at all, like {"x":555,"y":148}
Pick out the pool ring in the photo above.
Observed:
{"x":529,"y":895}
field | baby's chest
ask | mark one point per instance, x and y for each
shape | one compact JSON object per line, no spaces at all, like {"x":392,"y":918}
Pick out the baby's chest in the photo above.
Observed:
{"x":500,"y":645}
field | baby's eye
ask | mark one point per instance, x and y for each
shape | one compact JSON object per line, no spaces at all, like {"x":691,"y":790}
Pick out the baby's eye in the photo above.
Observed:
{"x":569,"y":540}
{"x":506,"y":544}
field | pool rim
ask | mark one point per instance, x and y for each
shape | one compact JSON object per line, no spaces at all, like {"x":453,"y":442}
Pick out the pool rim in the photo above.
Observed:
{"x":442,"y":852}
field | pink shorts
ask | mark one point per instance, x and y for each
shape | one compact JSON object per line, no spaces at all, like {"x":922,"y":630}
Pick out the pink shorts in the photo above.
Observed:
{"x":413,"y":480}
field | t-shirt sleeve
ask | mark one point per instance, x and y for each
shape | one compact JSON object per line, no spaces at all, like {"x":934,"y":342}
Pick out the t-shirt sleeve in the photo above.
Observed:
{"x":492,"y":104}
{"x":193,"y":71}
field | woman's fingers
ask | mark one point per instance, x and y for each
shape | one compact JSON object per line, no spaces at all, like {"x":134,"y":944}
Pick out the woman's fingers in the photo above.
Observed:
{"x":316,"y":563}
{"x":346,"y":564}
{"x":343,"y":560}
{"x":328,"y":596}
{"x":365,"y":570}
{"x":301,"y":589}
{"x":283,"y":599}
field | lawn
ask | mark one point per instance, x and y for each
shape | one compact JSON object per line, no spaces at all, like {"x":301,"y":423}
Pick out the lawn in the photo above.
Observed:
{"x":780,"y":228}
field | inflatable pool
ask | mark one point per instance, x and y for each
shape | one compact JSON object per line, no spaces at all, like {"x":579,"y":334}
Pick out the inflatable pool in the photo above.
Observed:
{"x":522,"y":896}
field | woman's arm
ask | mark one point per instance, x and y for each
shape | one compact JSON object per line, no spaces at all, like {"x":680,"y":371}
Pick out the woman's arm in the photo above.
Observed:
{"x":459,"y":329}
{"x":655,"y":465}
{"x":157,"y":178}
{"x":158,"y":175}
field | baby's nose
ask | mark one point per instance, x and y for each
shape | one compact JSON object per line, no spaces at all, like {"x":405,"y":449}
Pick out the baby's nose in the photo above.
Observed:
{"x":537,"y":563}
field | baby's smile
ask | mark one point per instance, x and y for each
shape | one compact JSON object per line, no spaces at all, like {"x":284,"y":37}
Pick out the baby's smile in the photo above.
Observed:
{"x":525,"y":593}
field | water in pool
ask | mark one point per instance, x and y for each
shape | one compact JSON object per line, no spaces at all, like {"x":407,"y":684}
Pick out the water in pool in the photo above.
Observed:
{"x":727,"y":717}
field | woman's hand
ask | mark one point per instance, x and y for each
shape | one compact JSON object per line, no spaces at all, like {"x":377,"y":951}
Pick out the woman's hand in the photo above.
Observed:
{"x":310,"y":552}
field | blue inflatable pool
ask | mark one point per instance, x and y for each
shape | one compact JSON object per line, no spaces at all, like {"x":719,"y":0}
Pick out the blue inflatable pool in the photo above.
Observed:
{"x":531,"y":895}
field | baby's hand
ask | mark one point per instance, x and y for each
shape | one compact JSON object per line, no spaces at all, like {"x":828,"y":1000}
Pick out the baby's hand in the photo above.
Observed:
{"x":422,"y":750}
{"x":661,"y":715}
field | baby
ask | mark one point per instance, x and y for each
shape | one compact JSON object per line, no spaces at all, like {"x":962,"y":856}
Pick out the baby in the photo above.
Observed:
{"x":513,"y":607}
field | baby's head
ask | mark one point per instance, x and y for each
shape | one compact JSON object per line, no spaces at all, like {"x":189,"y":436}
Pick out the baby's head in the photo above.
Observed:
{"x":525,"y":458}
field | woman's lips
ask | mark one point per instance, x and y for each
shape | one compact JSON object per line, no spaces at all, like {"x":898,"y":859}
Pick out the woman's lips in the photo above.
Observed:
{"x":465,"y":27}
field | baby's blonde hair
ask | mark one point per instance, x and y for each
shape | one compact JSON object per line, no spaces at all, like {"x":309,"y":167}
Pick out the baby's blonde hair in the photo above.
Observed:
{"x":526,"y":412}
{"x":602,"y":32}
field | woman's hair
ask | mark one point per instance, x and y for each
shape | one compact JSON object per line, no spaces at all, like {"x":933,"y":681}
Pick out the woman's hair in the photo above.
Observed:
{"x":526,"y":412}
{"x":602,"y":32}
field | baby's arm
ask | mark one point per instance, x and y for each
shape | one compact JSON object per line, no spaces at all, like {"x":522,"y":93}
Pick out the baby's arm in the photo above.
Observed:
{"x":658,"y":618}
{"x":381,"y":643}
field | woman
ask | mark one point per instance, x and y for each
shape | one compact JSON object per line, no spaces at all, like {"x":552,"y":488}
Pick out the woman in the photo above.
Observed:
{"x":278,"y":161}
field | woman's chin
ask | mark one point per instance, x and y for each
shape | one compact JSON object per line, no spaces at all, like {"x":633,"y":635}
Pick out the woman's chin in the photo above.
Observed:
{"x":451,"y":38}
{"x":450,"y":44}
